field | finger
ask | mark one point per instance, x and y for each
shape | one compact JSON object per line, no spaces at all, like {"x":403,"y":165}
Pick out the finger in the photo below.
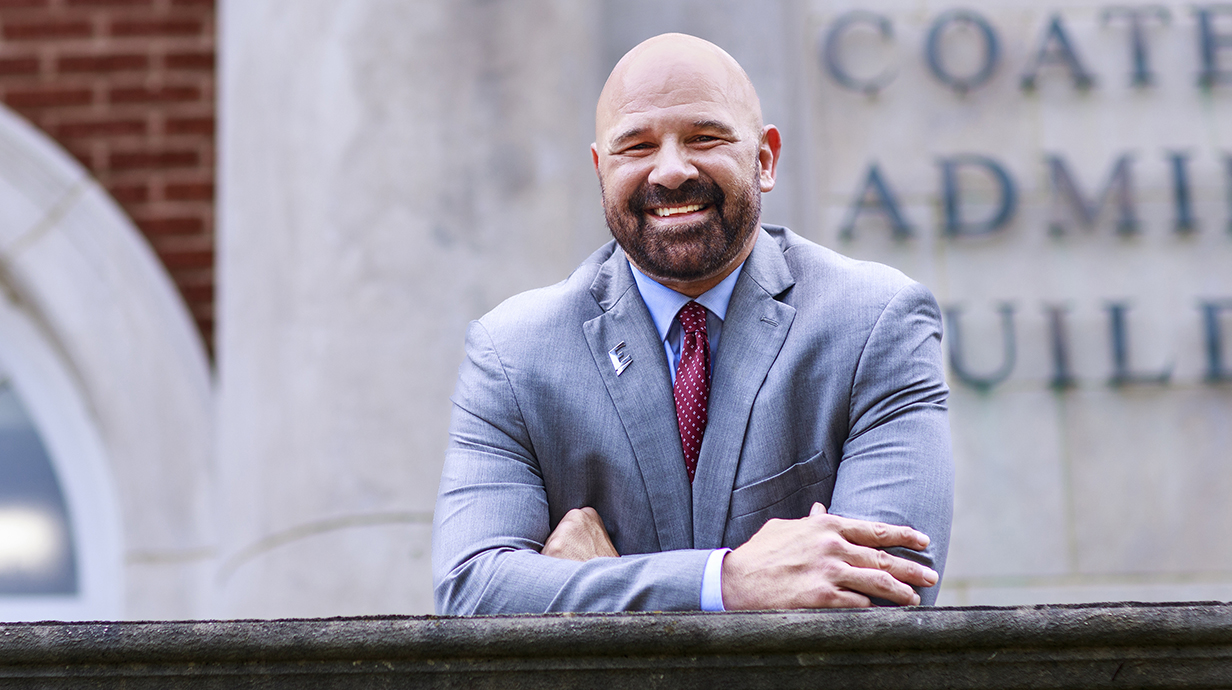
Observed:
{"x":899,"y":568}
{"x":879,"y":534}
{"x":818,"y":509}
{"x":877,"y":583}
{"x":580,"y":516}
{"x":568,"y":539}
{"x":843,"y":598}
{"x":598,"y":532}
{"x":589,"y":516}
{"x":579,"y":536}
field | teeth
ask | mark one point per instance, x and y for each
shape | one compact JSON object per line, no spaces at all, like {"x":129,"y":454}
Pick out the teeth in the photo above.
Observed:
{"x":676,"y":210}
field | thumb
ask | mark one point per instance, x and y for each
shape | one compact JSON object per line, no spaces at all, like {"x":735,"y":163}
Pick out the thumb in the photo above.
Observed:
{"x":818,"y":509}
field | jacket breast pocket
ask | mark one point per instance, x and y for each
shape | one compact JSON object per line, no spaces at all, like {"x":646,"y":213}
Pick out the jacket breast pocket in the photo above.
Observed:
{"x":789,"y":495}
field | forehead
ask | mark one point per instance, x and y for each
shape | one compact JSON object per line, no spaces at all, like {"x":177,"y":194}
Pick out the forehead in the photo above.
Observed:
{"x":661,"y":93}
{"x":670,"y":116}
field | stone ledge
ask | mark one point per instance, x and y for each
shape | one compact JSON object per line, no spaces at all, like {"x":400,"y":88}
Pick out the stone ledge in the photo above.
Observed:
{"x":1086,"y":646}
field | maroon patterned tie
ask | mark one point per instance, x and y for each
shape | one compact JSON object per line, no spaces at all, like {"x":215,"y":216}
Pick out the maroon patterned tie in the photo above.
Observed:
{"x":692,"y":389}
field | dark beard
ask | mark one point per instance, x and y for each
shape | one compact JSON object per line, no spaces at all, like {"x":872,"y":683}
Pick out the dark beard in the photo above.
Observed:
{"x":692,"y":252}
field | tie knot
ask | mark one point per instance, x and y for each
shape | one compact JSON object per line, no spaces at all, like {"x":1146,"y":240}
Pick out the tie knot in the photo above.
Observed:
{"x":692,"y":318}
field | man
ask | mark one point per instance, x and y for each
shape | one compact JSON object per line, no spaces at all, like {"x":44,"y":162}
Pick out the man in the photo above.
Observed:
{"x":616,"y":435}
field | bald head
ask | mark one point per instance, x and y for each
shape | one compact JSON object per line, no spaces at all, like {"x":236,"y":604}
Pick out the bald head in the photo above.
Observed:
{"x":676,"y":68}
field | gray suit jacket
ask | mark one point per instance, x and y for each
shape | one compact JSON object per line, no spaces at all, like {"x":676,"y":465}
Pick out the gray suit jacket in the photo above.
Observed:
{"x":827,"y":386}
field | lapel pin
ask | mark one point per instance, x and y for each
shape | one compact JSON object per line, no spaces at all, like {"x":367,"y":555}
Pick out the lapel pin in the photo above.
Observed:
{"x":621,"y":359}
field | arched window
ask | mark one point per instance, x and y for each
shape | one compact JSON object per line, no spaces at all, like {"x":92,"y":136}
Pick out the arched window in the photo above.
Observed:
{"x":106,"y":429}
{"x":61,"y":541}
{"x":37,"y":550}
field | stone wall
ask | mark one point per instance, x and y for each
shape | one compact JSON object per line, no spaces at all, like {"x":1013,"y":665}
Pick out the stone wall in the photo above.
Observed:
{"x":1128,"y":646}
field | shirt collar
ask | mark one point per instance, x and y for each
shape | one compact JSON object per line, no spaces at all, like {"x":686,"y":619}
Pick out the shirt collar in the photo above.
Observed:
{"x":663,"y":302}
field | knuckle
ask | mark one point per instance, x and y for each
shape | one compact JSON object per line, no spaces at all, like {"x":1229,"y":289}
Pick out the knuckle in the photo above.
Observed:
{"x":885,"y":580}
{"x":826,"y":595}
{"x":831,"y":543}
{"x":885,"y":586}
{"x":831,"y":569}
{"x":883,"y":560}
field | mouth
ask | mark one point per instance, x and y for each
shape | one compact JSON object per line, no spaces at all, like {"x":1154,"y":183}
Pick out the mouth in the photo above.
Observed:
{"x":670,"y":211}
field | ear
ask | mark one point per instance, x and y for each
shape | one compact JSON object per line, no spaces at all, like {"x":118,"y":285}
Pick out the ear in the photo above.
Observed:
{"x":768,"y":156}
{"x":594,"y":156}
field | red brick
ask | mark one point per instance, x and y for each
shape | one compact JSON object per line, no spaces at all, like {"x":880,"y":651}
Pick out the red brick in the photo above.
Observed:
{"x":102,"y":63}
{"x":194,"y":191}
{"x":48,"y":97}
{"x":94,"y":128}
{"x":164,"y":27}
{"x":190,"y":61}
{"x":147,"y":132}
{"x":194,"y":279}
{"x":190,"y":125}
{"x":109,"y":3}
{"x":196,"y":258}
{"x":26,"y":65}
{"x":206,"y":326}
{"x":195,"y":282}
{"x":129,"y":193}
{"x":166,"y":94}
{"x":132,"y":160}
{"x":83,"y":156}
{"x":197,"y":294}
{"x":36,"y":31}
{"x":183,"y":225}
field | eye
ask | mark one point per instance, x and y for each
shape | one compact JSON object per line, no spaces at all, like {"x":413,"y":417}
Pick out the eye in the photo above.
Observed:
{"x":639,"y":147}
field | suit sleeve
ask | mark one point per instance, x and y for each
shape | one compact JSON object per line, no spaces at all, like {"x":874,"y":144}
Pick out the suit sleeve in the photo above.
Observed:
{"x":897,"y":466}
{"x":492,"y":519}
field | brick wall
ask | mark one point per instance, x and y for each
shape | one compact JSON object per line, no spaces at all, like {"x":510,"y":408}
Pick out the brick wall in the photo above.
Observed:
{"x":127,"y":87}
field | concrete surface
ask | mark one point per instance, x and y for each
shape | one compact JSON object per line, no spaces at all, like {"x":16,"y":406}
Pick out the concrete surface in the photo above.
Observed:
{"x":1124,"y":646}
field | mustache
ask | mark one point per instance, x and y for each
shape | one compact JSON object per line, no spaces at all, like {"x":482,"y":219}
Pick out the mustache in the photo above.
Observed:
{"x":690,"y":192}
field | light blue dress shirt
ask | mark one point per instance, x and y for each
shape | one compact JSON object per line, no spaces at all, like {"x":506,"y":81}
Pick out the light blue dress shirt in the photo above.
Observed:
{"x":664,"y":303}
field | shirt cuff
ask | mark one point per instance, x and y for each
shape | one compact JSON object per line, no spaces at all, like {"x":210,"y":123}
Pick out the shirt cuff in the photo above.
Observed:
{"x":712,"y":581}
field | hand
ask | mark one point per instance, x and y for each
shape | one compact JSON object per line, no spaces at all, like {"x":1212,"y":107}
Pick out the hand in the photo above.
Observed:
{"x":580,"y":536}
{"x":823,"y":561}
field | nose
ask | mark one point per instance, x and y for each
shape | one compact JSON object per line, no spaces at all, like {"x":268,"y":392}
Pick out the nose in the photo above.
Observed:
{"x":672,"y":166}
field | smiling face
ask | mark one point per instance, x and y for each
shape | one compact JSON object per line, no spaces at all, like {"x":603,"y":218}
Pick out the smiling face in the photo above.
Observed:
{"x":682,"y":159}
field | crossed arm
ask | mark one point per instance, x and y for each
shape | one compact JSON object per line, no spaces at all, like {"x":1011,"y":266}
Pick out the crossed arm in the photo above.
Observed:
{"x":819,"y":561}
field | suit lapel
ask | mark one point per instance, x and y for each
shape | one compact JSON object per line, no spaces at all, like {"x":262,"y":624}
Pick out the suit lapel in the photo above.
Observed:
{"x":642,"y":394}
{"x":753,"y":333}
